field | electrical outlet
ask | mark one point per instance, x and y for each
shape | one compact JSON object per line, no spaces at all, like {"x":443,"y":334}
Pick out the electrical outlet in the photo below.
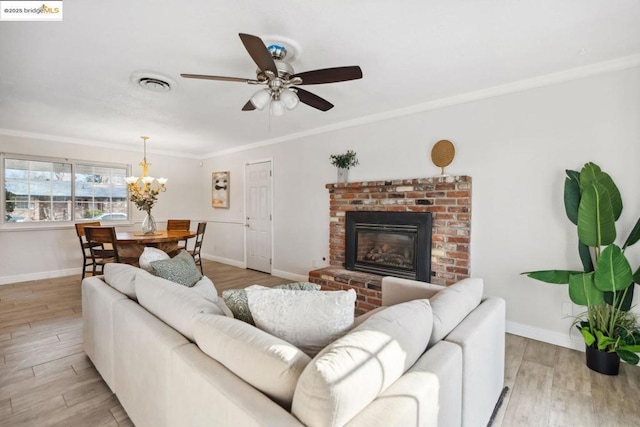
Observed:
{"x":567,"y":309}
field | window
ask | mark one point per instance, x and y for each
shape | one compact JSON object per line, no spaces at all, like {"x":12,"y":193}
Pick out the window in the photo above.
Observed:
{"x":38,"y":190}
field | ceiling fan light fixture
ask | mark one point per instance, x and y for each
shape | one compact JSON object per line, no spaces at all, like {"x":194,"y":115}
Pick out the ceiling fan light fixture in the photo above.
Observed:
{"x":280,"y":78}
{"x":261,"y":98}
{"x":276,"y":107}
{"x":289,"y":98}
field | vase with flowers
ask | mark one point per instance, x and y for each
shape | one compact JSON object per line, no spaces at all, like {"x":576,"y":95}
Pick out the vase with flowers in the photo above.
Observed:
{"x":144,"y":201}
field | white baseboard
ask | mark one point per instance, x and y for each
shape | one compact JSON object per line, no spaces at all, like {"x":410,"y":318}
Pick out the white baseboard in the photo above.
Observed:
{"x":545,"y":335}
{"x":240,"y":264}
{"x":290,"y":276}
{"x":6,"y":280}
{"x":228,"y":261}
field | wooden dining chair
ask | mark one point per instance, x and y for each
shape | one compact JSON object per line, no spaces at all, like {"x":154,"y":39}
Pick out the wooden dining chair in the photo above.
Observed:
{"x":87,"y":261}
{"x":181,"y":225}
{"x":97,"y":238}
{"x":195,"y":253}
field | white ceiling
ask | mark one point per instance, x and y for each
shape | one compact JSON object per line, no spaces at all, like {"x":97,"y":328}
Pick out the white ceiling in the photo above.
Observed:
{"x":70,"y":80}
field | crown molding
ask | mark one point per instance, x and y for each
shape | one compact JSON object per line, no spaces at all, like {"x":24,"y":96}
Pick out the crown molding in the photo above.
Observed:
{"x":618,"y":64}
{"x":99,"y":144}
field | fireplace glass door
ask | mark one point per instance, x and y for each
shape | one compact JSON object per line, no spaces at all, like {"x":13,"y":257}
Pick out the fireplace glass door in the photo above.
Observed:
{"x":389,"y":243}
{"x":386,"y":246}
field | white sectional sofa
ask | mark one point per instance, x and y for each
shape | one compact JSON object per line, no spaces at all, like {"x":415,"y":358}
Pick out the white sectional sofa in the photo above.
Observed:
{"x":173,"y":358}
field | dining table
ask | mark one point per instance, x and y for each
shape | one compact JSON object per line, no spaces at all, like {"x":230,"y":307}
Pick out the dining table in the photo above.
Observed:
{"x":131,"y":244}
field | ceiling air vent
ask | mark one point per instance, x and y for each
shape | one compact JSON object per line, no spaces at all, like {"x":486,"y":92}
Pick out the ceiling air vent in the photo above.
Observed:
{"x":155,"y":85}
{"x":152,"y":81}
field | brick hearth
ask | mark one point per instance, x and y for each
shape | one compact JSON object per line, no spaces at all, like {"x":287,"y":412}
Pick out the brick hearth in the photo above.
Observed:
{"x":447,"y":198}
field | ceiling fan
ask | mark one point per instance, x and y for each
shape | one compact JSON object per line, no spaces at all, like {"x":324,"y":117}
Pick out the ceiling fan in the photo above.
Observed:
{"x":281,"y":81}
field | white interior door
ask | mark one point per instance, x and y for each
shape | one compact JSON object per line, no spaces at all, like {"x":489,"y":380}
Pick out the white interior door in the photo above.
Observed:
{"x":258,"y":219}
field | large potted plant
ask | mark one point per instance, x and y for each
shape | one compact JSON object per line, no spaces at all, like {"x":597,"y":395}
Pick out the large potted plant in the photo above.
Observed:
{"x":606,"y":283}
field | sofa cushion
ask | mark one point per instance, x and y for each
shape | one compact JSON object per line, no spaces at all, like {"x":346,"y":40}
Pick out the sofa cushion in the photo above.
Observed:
{"x":151,"y":254}
{"x":270,"y":364}
{"x":181,"y":269}
{"x":349,"y":373}
{"x":122,"y":277}
{"x":308,"y":320}
{"x":236,"y":299}
{"x":452,"y":304}
{"x":206,"y":289}
{"x":360,"y":319}
{"x":173,"y":304}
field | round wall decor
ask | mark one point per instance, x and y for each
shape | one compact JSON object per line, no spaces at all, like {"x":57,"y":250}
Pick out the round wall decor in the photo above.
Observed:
{"x":442,"y":154}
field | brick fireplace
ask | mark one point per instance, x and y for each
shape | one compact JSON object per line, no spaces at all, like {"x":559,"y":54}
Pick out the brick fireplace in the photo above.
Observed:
{"x":447,"y":198}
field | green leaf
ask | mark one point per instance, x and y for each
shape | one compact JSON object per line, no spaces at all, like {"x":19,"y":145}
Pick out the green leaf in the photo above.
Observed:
{"x":590,"y":173}
{"x":596,"y":223}
{"x":572,"y":195}
{"x":614,"y":194}
{"x":582,"y":290}
{"x":558,"y":277}
{"x":613,"y":272}
{"x":588,"y":338}
{"x":634,"y":236}
{"x":574,"y":175}
{"x":603,"y":341}
{"x":628,"y":356}
{"x":585,"y":257}
{"x":632,"y":348}
{"x":623,"y":299}
{"x":636,"y":276}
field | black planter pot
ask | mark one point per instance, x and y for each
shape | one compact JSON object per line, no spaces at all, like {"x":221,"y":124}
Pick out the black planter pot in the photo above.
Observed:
{"x":602,"y":361}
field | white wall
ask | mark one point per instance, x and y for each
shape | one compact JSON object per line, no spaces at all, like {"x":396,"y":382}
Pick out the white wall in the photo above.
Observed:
{"x":515,"y":147}
{"x":36,"y":254}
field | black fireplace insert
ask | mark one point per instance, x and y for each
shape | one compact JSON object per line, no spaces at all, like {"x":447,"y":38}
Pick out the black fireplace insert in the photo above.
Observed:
{"x":389,"y":243}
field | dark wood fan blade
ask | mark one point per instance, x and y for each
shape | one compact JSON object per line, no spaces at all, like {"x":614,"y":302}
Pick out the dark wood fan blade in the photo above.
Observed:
{"x":330,"y":75}
{"x":313,"y":100}
{"x":248,"y":106}
{"x":224,"y":79}
{"x":259,"y":53}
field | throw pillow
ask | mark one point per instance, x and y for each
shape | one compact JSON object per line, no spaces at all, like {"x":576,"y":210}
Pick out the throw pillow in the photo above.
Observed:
{"x":352,"y":371}
{"x":236,"y":299}
{"x":151,"y":254}
{"x":299,"y":286}
{"x":308,"y":320}
{"x":270,"y":364}
{"x":180,"y":269}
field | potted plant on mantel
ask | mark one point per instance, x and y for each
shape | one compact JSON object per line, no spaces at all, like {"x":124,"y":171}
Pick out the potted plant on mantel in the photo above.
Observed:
{"x":344,"y":162}
{"x":605,"y":286}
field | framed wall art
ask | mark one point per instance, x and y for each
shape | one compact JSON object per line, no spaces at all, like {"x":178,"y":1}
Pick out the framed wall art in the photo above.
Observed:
{"x":220,"y":184}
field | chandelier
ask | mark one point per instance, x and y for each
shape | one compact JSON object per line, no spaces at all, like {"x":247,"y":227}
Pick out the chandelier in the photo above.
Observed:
{"x":144,"y":189}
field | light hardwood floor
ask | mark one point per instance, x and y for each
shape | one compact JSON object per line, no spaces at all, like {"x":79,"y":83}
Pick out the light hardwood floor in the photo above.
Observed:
{"x":46,"y":379}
